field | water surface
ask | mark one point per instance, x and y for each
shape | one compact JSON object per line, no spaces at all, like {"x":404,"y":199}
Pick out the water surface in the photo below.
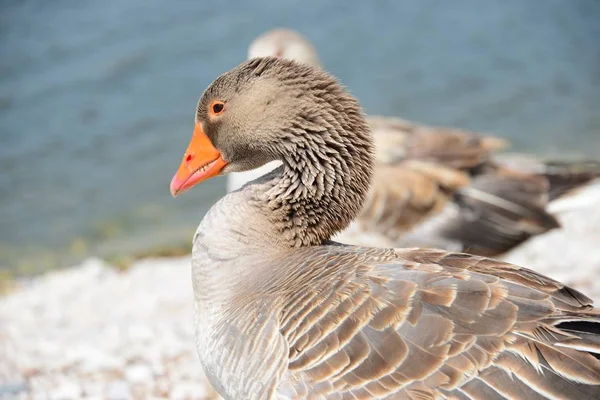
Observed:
{"x":97,"y":99}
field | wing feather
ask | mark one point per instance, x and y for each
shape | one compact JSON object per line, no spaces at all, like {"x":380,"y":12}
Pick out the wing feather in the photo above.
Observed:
{"x":428,"y":324}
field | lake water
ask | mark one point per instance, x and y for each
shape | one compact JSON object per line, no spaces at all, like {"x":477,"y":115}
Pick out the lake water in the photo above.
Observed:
{"x":97,"y":99}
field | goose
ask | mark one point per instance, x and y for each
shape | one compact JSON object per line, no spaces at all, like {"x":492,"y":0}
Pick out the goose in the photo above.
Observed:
{"x":437,"y":186}
{"x":283,"y":312}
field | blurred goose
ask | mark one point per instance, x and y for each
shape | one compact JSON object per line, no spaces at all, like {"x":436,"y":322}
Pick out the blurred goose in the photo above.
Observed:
{"x":282,"y":312}
{"x":438,"y":187}
{"x":445,"y":188}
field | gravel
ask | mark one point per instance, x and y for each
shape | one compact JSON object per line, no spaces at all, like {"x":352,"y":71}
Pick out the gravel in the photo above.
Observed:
{"x":96,"y":333}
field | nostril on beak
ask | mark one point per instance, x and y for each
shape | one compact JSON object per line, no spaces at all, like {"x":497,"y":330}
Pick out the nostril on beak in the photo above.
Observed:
{"x":189,"y":158}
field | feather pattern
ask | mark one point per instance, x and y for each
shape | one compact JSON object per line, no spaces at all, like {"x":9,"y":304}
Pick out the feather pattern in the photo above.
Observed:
{"x":413,"y":323}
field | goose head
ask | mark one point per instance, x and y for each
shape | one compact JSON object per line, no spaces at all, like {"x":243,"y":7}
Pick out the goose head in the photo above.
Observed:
{"x":275,"y":109}
{"x":281,"y":43}
{"x":284,"y":43}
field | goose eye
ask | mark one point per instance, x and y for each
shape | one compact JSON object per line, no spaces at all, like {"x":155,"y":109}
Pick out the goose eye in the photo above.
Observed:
{"x":217,"y":107}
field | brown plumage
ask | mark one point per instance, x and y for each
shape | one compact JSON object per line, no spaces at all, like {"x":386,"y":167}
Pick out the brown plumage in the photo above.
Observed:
{"x":398,"y":140}
{"x":427,"y":204}
{"x":440,"y":187}
{"x":282,"y":312}
{"x":564,"y":177}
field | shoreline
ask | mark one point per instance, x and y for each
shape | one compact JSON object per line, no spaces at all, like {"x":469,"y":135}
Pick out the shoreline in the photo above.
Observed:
{"x":93,"y":331}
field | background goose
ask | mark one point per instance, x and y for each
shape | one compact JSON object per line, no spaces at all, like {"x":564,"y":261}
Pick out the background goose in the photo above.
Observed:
{"x":283,"y":312}
{"x":446,"y":188}
{"x":440,"y":187}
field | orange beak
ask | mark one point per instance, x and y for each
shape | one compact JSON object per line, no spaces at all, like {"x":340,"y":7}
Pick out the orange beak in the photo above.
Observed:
{"x":201,"y":161}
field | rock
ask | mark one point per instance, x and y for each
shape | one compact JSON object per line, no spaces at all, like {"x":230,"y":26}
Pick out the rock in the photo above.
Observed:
{"x":119,"y":390}
{"x":93,"y":389}
{"x":140,"y":333}
{"x":10,"y":390}
{"x":189,"y":390}
{"x":95,"y":360}
{"x":138,"y":373}
{"x":65,"y":391}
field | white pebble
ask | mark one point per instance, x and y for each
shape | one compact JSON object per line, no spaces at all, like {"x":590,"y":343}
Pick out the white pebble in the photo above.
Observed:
{"x":188,"y":390}
{"x":138,"y":373}
{"x":65,"y":391}
{"x":94,"y":360}
{"x":140,"y":333}
{"x":119,"y":390}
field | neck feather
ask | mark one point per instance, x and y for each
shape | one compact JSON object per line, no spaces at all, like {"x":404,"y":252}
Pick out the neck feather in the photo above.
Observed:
{"x":323,"y":182}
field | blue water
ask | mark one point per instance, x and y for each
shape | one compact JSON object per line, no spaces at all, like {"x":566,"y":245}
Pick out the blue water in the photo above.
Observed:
{"x":97,"y":98}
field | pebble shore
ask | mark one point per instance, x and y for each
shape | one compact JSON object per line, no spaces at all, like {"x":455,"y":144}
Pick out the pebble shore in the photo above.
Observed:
{"x":93,"y":332}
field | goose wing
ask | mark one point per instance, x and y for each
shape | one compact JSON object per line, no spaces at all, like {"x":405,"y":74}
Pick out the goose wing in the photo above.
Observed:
{"x":419,"y":324}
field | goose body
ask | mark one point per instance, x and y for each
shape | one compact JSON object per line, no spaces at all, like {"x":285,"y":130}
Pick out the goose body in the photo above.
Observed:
{"x":283,"y":312}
